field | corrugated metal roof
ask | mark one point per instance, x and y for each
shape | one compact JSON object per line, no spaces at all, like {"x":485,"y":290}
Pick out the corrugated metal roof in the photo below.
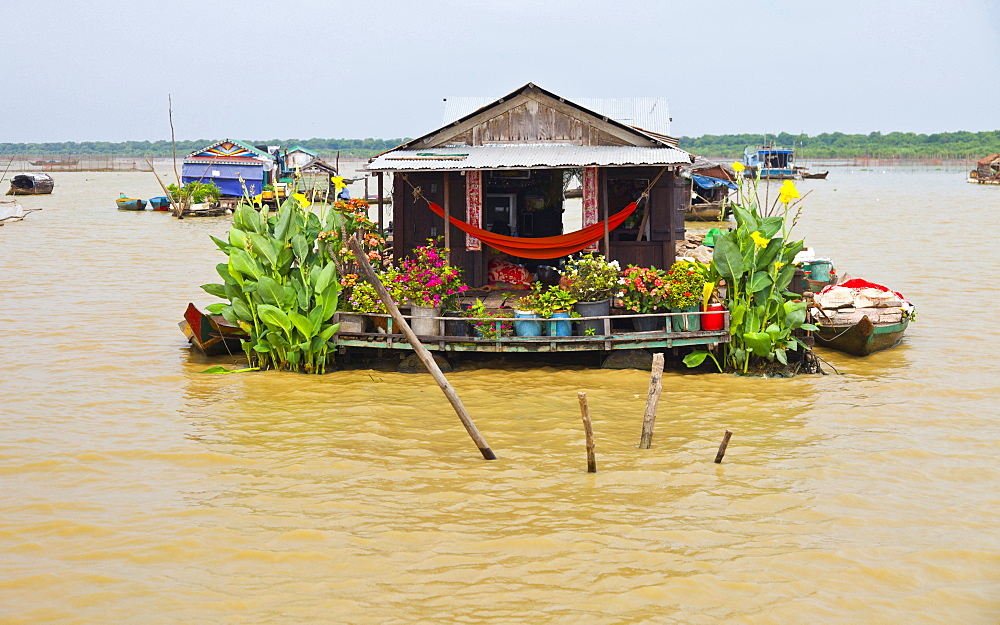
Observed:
{"x":522,"y":156}
{"x":652,"y":114}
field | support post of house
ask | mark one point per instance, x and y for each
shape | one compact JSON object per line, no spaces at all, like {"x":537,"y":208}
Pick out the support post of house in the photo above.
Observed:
{"x":381,"y":213}
{"x":447,"y":217}
{"x":603,"y":181}
{"x":418,"y":348}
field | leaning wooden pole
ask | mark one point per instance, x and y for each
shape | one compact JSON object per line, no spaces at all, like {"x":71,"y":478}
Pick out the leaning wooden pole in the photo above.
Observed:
{"x":173,"y":203}
{"x":722,"y":448}
{"x":419,"y":349}
{"x":652,"y":399}
{"x":588,"y":430}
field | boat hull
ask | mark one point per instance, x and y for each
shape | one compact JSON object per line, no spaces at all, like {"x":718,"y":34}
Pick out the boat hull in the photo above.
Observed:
{"x":709,"y":211}
{"x":212,"y":335}
{"x":861,"y":338}
{"x":159,"y":203}
{"x":131,"y":205}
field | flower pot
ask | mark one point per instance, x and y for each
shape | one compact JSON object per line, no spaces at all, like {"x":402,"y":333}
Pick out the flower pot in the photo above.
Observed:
{"x":422,"y":320}
{"x":351,"y":323}
{"x":600,"y":308}
{"x":527,"y":323}
{"x":714,"y":318}
{"x":455,"y":327}
{"x":559,"y":324}
{"x":686,"y":322}
{"x":648,"y":324}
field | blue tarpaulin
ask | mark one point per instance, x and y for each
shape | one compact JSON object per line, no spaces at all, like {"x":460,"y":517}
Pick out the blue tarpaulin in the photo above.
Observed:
{"x":707,"y":182}
{"x":226,"y":176}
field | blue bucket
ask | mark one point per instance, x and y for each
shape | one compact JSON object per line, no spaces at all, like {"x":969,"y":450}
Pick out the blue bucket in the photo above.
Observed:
{"x":819,"y":269}
{"x":527,"y":323}
{"x":559,"y":324}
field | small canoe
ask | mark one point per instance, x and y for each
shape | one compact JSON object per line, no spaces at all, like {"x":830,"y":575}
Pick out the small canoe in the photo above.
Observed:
{"x":130,"y":204}
{"x":861,"y":338}
{"x":211,"y":334}
{"x":160,"y":203}
{"x":820,"y":175}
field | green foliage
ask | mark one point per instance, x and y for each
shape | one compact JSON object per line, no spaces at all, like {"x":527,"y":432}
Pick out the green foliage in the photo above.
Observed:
{"x":545,"y":300}
{"x":281,"y":288}
{"x":755,"y":260}
{"x":591,"y":278}
{"x":195,"y":192}
{"x":956,"y":145}
{"x":323,"y":147}
{"x":685,"y":284}
{"x":488,"y":324}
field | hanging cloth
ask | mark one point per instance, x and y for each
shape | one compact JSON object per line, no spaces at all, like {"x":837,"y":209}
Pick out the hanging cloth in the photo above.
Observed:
{"x":540,"y":247}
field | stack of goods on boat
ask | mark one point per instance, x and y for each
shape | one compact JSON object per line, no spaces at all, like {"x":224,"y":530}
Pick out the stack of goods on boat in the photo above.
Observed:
{"x":860,"y":317}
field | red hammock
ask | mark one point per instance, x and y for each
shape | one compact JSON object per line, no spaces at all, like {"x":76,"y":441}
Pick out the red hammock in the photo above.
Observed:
{"x":541,"y":247}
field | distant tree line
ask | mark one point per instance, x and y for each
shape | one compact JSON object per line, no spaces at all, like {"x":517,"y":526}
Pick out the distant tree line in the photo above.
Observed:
{"x":944,"y":145}
{"x":322,"y":147}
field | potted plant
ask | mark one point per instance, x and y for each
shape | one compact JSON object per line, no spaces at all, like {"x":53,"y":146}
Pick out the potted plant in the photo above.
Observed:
{"x":592,"y":280}
{"x":645,"y":290}
{"x":526,"y":312}
{"x":554,"y":303}
{"x":686,"y":286}
{"x":429,"y":283}
{"x":363,"y":299}
{"x":486,"y":323}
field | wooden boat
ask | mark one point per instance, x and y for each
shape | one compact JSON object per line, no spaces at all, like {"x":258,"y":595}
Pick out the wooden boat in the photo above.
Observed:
{"x":862,"y":338}
{"x":819,"y":175}
{"x":774,"y":163}
{"x":160,"y":203}
{"x":31,"y":184}
{"x":211,"y":334}
{"x":130,"y":204}
{"x":706,"y":211}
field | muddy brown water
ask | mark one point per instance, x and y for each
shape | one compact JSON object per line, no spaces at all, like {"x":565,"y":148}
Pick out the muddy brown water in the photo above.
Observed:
{"x":137,"y":490}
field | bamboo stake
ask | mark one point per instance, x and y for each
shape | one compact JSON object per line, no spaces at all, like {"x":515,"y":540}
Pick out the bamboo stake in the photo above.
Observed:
{"x":722,"y":447}
{"x":588,"y":429}
{"x":419,"y":349}
{"x":652,"y":399}
{"x":173,"y":205}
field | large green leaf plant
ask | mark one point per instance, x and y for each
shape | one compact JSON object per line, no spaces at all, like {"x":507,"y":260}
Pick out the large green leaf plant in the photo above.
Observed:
{"x":281,"y":287}
{"x":755,"y":259}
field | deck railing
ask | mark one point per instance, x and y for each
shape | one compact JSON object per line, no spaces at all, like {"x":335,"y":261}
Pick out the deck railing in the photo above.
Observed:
{"x":382,"y":334}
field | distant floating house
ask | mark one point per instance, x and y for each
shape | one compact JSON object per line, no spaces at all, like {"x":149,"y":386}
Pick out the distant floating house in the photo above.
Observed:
{"x":236,"y":168}
{"x":299,"y":157}
{"x":987,"y":170}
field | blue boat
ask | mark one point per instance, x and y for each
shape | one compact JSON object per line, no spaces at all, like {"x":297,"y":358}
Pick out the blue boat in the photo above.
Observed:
{"x":160,"y":203}
{"x":130,"y":204}
{"x":774,"y":163}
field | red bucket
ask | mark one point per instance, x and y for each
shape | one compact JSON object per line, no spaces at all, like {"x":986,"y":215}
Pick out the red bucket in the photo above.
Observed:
{"x":714,"y":317}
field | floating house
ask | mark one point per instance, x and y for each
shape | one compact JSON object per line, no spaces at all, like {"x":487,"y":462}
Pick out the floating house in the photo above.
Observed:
{"x":987,"y":170}
{"x":31,"y":184}
{"x":499,"y":165}
{"x":236,"y":168}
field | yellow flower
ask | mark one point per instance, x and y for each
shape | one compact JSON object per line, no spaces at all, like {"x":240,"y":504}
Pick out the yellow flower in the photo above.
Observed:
{"x":788,"y":192}
{"x":778,"y":265}
{"x":302,"y":200}
{"x":338,"y":182}
{"x":758,"y":239}
{"x":738,"y":166}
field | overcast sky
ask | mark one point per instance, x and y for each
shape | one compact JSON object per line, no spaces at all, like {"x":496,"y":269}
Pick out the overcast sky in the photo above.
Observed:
{"x":101,"y":70}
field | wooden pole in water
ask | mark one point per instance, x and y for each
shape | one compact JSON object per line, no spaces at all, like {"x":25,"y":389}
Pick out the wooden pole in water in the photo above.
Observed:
{"x":173,"y":203}
{"x":419,"y":349}
{"x":652,"y":399}
{"x":588,"y":429}
{"x":722,"y":447}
